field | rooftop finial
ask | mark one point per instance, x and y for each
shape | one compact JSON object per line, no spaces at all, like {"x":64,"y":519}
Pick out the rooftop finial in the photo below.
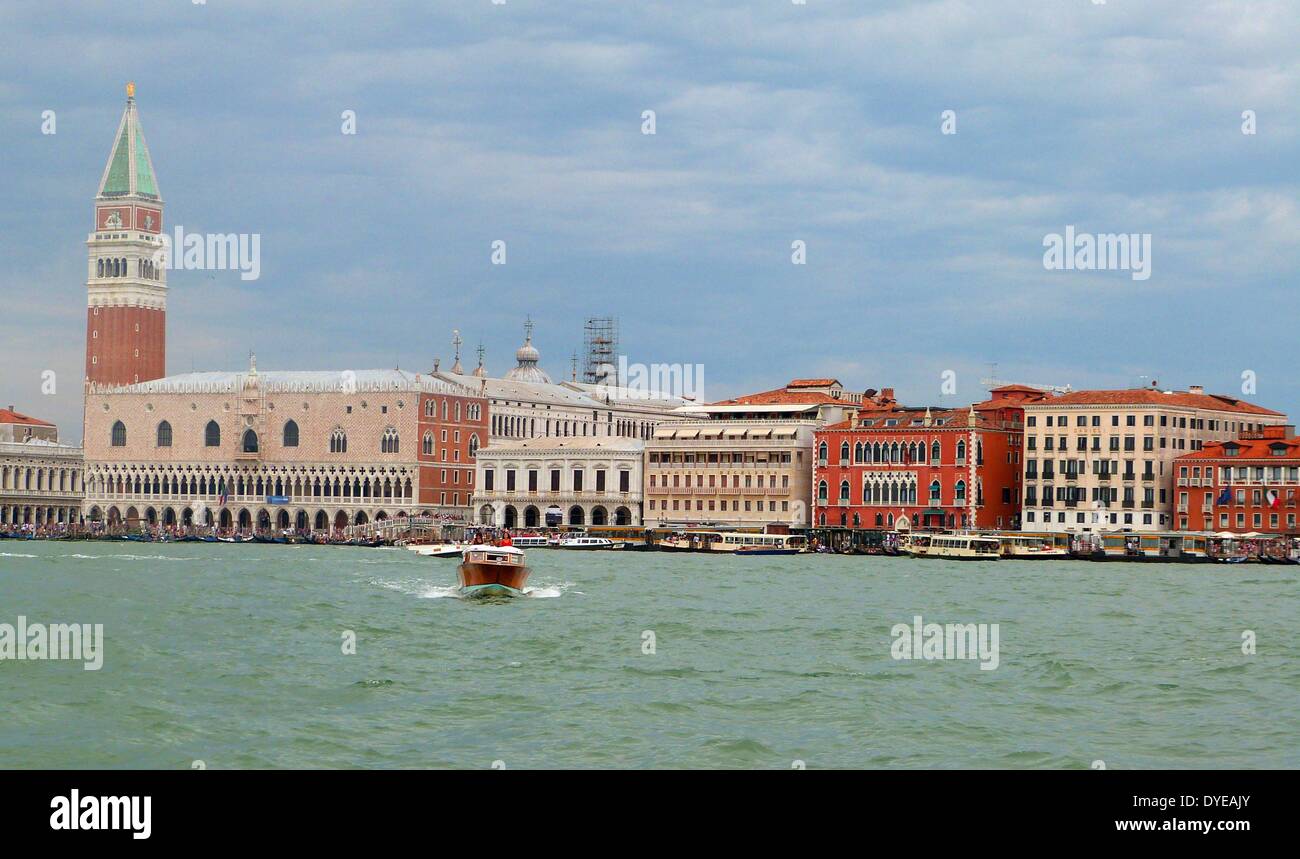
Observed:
{"x":130,"y":90}
{"x":455,"y":344}
{"x":252,"y":361}
{"x":528,"y":329}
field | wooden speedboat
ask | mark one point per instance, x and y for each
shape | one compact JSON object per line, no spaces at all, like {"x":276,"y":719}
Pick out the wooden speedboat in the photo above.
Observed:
{"x":488,"y":570}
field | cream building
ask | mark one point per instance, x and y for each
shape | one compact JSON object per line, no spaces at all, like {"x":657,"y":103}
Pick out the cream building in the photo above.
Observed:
{"x":553,"y":481}
{"x":309,"y":450}
{"x":40,"y":479}
{"x":1103,"y":460}
{"x":746,"y":462}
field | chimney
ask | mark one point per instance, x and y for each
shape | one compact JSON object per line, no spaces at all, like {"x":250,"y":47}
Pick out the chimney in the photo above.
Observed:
{"x":887,"y":395}
{"x":1195,"y":389}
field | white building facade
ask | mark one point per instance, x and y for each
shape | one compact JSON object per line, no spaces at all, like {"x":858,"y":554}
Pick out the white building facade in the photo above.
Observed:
{"x":560,"y":481}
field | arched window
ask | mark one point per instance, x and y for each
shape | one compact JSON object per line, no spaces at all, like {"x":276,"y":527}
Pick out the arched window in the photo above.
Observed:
{"x":119,"y":434}
{"x":822,"y":453}
{"x":338,"y":441}
{"x":164,"y":434}
{"x":473,"y":445}
{"x":426,"y":446}
{"x":960,"y":492}
{"x":844,"y":491}
{"x":290,"y":433}
{"x":458,"y":411}
{"x":212,"y":435}
{"x":388,"y":442}
{"x":961,"y":452}
{"x":934,"y":492}
{"x":934,"y":452}
{"x":250,"y":441}
{"x":99,"y":269}
{"x":428,"y":408}
{"x":821,"y":488}
{"x":844,"y":452}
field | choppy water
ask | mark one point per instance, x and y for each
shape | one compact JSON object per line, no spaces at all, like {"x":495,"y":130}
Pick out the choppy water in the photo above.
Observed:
{"x":232,"y":655}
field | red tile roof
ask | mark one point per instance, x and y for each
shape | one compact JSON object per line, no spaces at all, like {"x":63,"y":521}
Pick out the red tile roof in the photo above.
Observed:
{"x":1149,"y":396}
{"x":782,"y":396}
{"x":8,"y":416}
{"x":952,"y":419}
{"x":1261,"y":448}
{"x":812,"y":383}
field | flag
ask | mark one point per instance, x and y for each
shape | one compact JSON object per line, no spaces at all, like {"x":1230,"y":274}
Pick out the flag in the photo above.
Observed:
{"x":1225,"y":497}
{"x":1273,"y":500}
{"x":221,"y":490}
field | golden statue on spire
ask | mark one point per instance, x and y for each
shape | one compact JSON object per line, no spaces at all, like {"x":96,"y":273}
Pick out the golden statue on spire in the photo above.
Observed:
{"x":130,"y":89}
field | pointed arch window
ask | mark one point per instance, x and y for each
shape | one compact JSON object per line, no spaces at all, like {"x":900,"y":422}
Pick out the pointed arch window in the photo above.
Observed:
{"x":473,"y":445}
{"x":934,"y":452}
{"x":388,"y":442}
{"x":844,"y":453}
{"x":822,"y":452}
{"x":249,"y":441}
{"x":212,"y":435}
{"x":290,"y":433}
{"x":844,"y":492}
{"x":822,"y":489}
{"x":959,"y":492}
{"x":426,"y":446}
{"x":338,"y":442}
{"x":119,"y":434}
{"x":164,"y":434}
{"x":961,"y":453}
{"x":934,"y":492}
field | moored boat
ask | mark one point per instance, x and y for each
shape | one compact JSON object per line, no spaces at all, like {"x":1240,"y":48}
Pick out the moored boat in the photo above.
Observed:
{"x":488,"y":570}
{"x":955,"y":547}
{"x":588,"y":543}
{"x":1030,"y":547}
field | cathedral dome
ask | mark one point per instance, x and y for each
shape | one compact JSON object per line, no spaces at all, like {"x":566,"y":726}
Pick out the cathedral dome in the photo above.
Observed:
{"x":528,"y":356}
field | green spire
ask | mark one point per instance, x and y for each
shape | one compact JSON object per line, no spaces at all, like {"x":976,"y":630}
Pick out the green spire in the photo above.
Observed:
{"x":130,"y":170}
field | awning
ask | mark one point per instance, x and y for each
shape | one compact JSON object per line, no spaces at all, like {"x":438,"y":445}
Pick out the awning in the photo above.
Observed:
{"x":760,"y":433}
{"x":688,"y":433}
{"x":734,"y":432}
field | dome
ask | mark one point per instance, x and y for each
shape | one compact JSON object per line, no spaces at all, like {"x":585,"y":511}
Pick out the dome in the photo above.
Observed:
{"x":528,"y":356}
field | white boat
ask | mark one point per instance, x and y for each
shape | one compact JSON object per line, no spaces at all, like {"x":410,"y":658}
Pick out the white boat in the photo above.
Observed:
{"x":438,"y":550}
{"x":732,"y":543}
{"x":955,"y":547}
{"x":589,"y":543}
{"x":1024,"y":547}
{"x":530,"y":542}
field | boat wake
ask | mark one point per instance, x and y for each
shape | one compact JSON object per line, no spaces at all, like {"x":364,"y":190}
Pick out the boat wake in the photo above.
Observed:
{"x":423,"y":589}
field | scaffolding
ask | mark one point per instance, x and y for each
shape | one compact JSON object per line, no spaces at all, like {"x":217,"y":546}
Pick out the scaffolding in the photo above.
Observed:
{"x":601,"y":347}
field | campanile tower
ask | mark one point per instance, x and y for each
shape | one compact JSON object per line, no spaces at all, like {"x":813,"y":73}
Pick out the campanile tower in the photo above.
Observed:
{"x":126,"y":289}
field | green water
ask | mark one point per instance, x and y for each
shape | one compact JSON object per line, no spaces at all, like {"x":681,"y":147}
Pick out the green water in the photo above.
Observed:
{"x":233,"y":655}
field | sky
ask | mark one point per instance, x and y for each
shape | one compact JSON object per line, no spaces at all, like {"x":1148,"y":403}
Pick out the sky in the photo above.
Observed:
{"x":774,"y":122}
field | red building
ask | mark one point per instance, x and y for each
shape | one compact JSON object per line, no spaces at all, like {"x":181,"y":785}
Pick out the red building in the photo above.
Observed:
{"x":452,"y":428}
{"x":894,"y":467}
{"x":1244,"y":485}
